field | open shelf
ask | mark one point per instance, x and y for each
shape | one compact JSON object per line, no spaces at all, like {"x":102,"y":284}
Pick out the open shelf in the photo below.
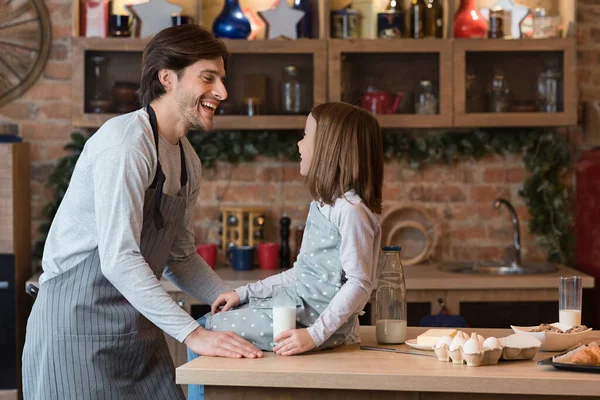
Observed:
{"x":123,"y":59}
{"x":394,"y":66}
{"x":521,"y":62}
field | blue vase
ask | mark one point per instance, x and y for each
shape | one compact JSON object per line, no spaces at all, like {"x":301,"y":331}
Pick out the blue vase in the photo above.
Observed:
{"x":304,"y":27}
{"x":232,"y":23}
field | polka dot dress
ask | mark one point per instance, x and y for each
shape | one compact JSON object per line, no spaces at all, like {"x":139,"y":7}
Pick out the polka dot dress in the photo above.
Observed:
{"x":319,"y":276}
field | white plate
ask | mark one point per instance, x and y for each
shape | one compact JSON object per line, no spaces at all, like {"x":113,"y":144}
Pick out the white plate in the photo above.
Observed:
{"x":413,"y":343}
{"x":554,"y":341}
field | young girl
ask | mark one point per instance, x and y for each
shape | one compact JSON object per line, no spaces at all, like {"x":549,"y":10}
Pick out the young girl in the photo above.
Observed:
{"x":342,"y":159}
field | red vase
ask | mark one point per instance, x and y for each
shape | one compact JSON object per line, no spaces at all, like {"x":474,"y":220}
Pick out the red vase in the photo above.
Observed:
{"x":468,"y":22}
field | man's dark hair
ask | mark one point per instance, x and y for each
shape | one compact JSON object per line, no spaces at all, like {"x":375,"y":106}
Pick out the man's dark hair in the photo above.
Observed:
{"x":176,"y":48}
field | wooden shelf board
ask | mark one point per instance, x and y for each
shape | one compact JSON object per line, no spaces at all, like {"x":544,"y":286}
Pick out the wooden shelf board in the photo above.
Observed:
{"x":488,"y":45}
{"x":414,"y":121}
{"x":300,"y":46}
{"x":389,"y":46}
{"x":514,"y":119}
{"x":221,"y":122}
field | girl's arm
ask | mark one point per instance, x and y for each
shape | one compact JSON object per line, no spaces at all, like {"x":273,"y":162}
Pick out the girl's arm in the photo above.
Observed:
{"x":359,"y":248}
{"x":264,"y":288}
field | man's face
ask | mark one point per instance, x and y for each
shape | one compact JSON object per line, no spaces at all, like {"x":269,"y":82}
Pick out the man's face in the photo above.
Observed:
{"x":199,"y":91}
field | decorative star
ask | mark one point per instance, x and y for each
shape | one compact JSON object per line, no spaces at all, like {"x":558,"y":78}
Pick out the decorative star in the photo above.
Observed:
{"x":517,"y":15}
{"x":282,"y":20}
{"x":155,"y":15}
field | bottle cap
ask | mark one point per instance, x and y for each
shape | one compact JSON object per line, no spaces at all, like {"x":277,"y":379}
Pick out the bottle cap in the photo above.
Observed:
{"x":391,"y":248}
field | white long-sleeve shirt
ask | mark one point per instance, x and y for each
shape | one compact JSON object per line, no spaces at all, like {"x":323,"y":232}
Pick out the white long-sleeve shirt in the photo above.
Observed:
{"x":103,"y":209}
{"x":360,"y":234}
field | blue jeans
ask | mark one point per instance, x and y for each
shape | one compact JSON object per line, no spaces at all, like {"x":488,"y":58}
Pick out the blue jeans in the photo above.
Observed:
{"x":195,"y":392}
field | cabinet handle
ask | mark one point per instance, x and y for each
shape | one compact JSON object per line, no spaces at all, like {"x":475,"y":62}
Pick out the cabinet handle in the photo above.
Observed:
{"x":181,"y":302}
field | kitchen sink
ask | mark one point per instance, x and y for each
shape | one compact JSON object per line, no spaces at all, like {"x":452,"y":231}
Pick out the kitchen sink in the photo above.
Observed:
{"x":482,"y":268}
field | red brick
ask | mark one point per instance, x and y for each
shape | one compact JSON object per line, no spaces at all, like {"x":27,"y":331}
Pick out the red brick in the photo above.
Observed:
{"x":58,"y":70}
{"x":60,"y":13}
{"x":247,"y":193}
{"x":468,"y":233}
{"x":488,"y":193}
{"x":457,"y":212}
{"x":296,"y":193}
{"x":19,"y":110}
{"x":445,"y":194}
{"x":291,"y":173}
{"x":495,"y":175}
{"x":49,"y":90}
{"x":392,"y":192}
{"x":206,"y":212}
{"x":61,"y":32}
{"x":34,"y":131}
{"x":55,"y":151}
{"x":207,"y":193}
{"x":445,"y":173}
{"x":55,"y":110}
{"x":59,"y":52}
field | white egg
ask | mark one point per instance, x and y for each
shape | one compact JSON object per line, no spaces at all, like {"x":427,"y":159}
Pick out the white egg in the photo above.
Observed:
{"x":472,"y":346}
{"x":444,"y":340}
{"x":457,"y":342}
{"x":492,"y":343}
{"x":480,"y":338}
{"x":462,"y":334}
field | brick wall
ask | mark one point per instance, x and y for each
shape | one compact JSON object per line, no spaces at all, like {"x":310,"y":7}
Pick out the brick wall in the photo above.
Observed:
{"x":460,"y":196}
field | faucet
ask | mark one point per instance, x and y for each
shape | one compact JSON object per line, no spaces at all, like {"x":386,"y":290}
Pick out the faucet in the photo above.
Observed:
{"x":514,"y":251}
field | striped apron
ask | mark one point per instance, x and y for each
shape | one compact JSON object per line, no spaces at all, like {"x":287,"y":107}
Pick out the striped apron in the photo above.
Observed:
{"x":84,"y":340}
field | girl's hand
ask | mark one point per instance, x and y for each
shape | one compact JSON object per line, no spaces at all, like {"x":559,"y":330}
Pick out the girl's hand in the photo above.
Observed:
{"x":228,"y":300}
{"x":293,"y":341}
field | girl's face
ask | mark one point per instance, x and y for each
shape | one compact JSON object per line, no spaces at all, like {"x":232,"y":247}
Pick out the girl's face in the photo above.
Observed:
{"x":307,"y":145}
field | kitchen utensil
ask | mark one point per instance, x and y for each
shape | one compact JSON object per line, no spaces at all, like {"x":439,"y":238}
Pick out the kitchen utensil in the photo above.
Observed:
{"x":416,"y":353}
{"x":380,"y":102}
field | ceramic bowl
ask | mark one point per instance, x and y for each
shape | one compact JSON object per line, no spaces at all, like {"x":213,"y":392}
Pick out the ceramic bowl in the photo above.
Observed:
{"x":553,"y":341}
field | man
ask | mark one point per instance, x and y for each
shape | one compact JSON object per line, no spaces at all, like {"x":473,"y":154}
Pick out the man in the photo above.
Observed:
{"x":96,"y":328}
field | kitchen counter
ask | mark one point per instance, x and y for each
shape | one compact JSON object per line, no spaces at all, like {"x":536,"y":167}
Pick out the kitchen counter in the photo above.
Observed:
{"x":348,"y":372}
{"x":418,"y":277}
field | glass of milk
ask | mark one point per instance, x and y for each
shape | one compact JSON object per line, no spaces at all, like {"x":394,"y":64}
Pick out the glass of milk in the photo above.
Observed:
{"x":569,"y":300}
{"x":284,"y":308}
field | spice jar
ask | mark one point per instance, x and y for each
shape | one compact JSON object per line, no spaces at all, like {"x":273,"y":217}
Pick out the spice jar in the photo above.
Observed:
{"x":426,"y":100}
{"x":251,"y":106}
{"x":496,"y":30}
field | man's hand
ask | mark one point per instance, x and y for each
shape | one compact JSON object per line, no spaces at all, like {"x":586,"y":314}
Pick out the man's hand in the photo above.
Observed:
{"x":220,"y":344}
{"x":293,"y":341}
{"x":228,"y":300}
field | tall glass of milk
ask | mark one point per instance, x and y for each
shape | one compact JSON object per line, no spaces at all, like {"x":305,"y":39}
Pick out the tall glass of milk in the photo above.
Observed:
{"x":569,"y":300}
{"x":284,"y":308}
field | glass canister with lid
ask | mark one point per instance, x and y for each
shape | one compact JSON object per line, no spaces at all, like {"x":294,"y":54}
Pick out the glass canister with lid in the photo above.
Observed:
{"x":426,"y":100}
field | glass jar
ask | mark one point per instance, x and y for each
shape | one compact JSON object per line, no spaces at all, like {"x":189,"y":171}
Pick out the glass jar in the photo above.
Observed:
{"x":390,"y":299}
{"x":100,"y":101}
{"x":498,"y":93}
{"x":549,"y":84}
{"x":496,"y":24}
{"x":291,"y":91}
{"x":426,"y":99}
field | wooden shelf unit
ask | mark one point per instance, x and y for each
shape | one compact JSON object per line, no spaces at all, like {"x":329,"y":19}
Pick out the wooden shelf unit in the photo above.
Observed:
{"x":390,"y":53}
{"x":388,"y":59}
{"x":315,"y":48}
{"x":563,"y":49}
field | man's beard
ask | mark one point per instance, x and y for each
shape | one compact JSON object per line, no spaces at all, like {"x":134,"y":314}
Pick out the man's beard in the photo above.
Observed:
{"x":188,"y":107}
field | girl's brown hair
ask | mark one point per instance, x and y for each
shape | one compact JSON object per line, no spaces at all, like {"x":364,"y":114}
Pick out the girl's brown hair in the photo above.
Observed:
{"x":176,"y":48}
{"x":348,"y":154}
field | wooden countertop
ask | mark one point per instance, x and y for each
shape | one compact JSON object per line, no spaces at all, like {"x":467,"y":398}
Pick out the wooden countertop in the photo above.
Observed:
{"x":418,"y":277}
{"x":348,"y":367}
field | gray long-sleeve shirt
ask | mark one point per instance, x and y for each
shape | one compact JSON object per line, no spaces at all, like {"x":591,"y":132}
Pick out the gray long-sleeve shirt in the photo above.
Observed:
{"x":103,"y":207}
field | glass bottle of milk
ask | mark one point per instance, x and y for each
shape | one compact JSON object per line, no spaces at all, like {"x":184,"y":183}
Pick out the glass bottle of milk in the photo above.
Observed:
{"x":390,"y":299}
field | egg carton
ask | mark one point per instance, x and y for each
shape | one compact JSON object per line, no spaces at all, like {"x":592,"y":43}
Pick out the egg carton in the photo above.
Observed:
{"x":480,"y":351}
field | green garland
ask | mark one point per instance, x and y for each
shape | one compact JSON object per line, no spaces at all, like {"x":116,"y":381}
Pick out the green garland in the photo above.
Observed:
{"x":547,"y":156}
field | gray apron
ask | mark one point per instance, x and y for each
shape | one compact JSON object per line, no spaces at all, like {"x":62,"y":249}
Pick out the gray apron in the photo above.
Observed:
{"x":319,"y":276}
{"x":84,"y":340}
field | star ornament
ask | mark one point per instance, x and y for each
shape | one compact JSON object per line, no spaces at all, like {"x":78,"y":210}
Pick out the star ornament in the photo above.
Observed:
{"x":282,"y":20}
{"x":155,"y":15}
